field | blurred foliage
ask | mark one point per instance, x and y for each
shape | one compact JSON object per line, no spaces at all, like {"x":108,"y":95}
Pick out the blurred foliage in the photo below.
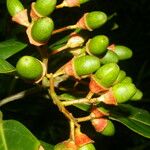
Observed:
{"x":129,"y":27}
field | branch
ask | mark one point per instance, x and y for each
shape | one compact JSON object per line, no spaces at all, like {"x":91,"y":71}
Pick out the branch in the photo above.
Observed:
{"x":20,"y":95}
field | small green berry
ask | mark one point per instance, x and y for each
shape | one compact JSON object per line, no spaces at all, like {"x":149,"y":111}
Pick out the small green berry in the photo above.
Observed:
{"x":42,"y":29}
{"x":85,"y":65}
{"x":123,"y":52}
{"x":87,"y":147}
{"x":110,"y":57}
{"x":123,"y":91}
{"x":14,"y":7}
{"x":137,"y":96}
{"x":29,"y":68}
{"x":109,"y":130}
{"x":45,"y":7}
{"x":84,"y":1}
{"x":95,"y":19}
{"x":107,"y":74}
{"x":65,"y":145}
{"x":121,"y":77}
{"x":127,"y":80}
{"x":98,"y":45}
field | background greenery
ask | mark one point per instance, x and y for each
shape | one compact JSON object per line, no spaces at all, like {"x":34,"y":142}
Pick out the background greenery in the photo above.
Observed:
{"x":129,"y":27}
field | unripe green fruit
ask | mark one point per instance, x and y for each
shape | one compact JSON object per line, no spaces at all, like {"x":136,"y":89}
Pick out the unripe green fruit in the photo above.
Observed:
{"x":109,"y":129}
{"x":85,"y":65}
{"x":123,"y":52}
{"x":98,"y":45}
{"x":87,"y":147}
{"x":14,"y":7}
{"x":42,"y":29}
{"x":65,"y":145}
{"x":121,"y":77}
{"x":83,"y":1}
{"x":45,"y":7}
{"x":107,"y":74}
{"x":137,"y":96}
{"x":95,"y":19}
{"x":110,"y":57}
{"x":123,"y":91}
{"x":127,"y":80}
{"x":29,"y":68}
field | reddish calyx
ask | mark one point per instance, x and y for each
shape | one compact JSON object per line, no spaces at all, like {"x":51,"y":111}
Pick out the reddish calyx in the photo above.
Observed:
{"x":99,"y":124}
{"x":108,"y":98}
{"x":97,"y":113}
{"x":111,"y":47}
{"x":81,"y":139}
{"x":82,"y":23}
{"x":95,"y":87}
{"x":70,"y":70}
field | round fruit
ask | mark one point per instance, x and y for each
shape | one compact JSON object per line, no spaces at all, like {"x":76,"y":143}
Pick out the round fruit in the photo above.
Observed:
{"x":95,"y":19}
{"x":127,"y":80}
{"x":123,"y":91}
{"x":42,"y":29}
{"x":14,"y":7}
{"x":98,"y":45}
{"x":110,"y":57}
{"x":109,"y":130}
{"x":87,"y":147}
{"x":123,"y":52}
{"x":65,"y":145}
{"x":85,"y":65}
{"x":45,"y":7}
{"x":121,"y":77}
{"x":29,"y":68}
{"x":137,"y":96}
{"x":107,"y":74}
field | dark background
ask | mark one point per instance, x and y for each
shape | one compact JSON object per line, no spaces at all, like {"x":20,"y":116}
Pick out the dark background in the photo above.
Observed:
{"x":133,"y":30}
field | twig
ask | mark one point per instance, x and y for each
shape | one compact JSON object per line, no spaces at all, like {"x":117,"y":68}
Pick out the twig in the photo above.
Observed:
{"x":20,"y":95}
{"x":83,"y":119}
{"x":70,"y":27}
{"x":59,"y":103}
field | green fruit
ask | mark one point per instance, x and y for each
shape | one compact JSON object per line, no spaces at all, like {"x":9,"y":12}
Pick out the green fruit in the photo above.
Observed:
{"x":98,"y":45}
{"x":107,"y":74}
{"x":123,"y":52}
{"x":95,"y":19}
{"x":109,"y":130}
{"x":127,"y":80}
{"x":121,"y":77}
{"x":65,"y":145}
{"x":87,"y":147}
{"x":85,"y":65}
{"x":123,"y":91}
{"x":42,"y":29}
{"x":45,"y":7}
{"x":137,"y":96}
{"x":14,"y":7}
{"x":29,"y":68}
{"x":83,"y":1}
{"x":110,"y":57}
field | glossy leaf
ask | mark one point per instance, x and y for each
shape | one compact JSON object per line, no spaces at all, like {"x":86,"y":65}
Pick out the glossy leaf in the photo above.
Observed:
{"x":10,"y":47}
{"x":134,"y":118}
{"x":15,"y":136}
{"x":6,"y":67}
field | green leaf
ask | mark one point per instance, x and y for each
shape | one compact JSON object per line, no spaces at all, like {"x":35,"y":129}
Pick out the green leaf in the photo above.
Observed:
{"x":6,"y":67}
{"x":47,"y":146}
{"x":134,"y":118}
{"x":15,"y":136}
{"x":10,"y":47}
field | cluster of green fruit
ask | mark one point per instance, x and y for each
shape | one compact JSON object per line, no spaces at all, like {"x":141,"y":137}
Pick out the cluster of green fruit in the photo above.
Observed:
{"x":96,"y":59}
